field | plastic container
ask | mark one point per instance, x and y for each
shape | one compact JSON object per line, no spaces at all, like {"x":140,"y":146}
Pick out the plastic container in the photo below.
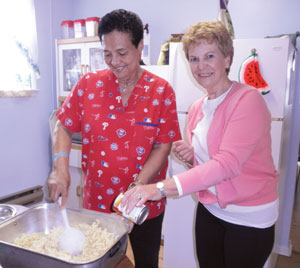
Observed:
{"x":91,"y":25}
{"x":67,"y":28}
{"x":146,"y":50}
{"x":79,"y":28}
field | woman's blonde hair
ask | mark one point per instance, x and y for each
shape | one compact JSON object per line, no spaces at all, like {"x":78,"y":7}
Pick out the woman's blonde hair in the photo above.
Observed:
{"x":211,"y":31}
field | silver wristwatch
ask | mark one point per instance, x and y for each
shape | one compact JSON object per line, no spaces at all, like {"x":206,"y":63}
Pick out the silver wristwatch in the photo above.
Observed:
{"x":161,"y":187}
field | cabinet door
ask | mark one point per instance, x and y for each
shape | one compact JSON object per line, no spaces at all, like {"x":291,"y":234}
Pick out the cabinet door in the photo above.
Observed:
{"x":74,"y":60}
{"x":94,"y":57}
{"x":75,"y":194}
{"x":70,"y":61}
{"x":75,"y":190}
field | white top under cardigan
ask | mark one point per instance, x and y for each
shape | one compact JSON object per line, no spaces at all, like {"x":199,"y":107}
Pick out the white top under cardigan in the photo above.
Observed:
{"x":261,"y":216}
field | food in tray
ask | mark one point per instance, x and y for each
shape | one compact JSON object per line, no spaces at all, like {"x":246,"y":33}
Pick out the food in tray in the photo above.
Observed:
{"x":97,"y":241}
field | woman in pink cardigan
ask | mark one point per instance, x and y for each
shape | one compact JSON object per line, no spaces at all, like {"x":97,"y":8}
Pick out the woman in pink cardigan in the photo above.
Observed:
{"x":228,"y":152}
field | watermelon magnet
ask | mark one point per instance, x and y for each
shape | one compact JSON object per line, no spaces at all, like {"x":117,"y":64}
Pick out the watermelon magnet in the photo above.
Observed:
{"x":250,"y":73}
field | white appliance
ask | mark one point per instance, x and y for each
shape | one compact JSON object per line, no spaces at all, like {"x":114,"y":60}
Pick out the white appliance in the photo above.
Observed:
{"x":279,"y":66}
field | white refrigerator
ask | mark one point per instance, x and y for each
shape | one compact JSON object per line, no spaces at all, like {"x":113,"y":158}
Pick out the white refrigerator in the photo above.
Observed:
{"x":278,"y":65}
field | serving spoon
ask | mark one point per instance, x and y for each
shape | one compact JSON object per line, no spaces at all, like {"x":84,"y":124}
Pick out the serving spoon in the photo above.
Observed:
{"x":71,"y":239}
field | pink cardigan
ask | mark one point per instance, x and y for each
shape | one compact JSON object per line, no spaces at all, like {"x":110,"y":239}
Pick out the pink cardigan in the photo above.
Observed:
{"x":239,"y":144}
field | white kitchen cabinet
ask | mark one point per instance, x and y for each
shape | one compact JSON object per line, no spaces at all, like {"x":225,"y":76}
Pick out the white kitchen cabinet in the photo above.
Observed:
{"x":75,"y":190}
{"x":75,"y":57}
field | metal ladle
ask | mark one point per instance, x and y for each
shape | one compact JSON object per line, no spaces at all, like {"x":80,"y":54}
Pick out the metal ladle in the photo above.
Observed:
{"x":71,"y":239}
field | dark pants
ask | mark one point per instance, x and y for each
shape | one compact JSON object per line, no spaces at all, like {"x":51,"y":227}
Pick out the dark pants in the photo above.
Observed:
{"x":224,"y":245}
{"x":145,"y":242}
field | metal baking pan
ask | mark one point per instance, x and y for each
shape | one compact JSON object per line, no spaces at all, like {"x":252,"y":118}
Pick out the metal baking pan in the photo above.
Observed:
{"x":44,"y":217}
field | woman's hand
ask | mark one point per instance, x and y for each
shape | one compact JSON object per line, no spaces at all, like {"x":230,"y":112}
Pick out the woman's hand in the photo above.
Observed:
{"x":183,"y":152}
{"x":138,"y":195}
{"x":58,"y":184}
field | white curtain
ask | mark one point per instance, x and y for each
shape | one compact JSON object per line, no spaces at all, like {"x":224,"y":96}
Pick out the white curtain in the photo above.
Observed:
{"x":18,"y":48}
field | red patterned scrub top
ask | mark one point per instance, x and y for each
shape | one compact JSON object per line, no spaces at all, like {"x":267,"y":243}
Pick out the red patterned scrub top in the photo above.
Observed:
{"x":117,"y":138}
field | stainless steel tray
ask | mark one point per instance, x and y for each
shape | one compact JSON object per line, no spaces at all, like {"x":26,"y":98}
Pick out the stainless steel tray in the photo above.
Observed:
{"x":44,"y":217}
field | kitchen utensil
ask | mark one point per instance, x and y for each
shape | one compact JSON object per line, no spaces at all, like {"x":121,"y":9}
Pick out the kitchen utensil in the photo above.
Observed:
{"x":71,"y":239}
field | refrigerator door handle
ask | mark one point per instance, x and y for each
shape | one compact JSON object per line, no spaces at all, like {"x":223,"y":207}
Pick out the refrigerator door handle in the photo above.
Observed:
{"x":277,"y":119}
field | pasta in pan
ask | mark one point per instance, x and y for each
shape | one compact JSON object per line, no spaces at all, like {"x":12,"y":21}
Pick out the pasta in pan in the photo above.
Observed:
{"x":97,"y":241}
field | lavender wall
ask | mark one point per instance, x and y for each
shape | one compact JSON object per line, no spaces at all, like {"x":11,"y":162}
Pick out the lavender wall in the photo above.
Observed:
{"x":24,"y":132}
{"x":164,"y":17}
{"x":251,"y":19}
